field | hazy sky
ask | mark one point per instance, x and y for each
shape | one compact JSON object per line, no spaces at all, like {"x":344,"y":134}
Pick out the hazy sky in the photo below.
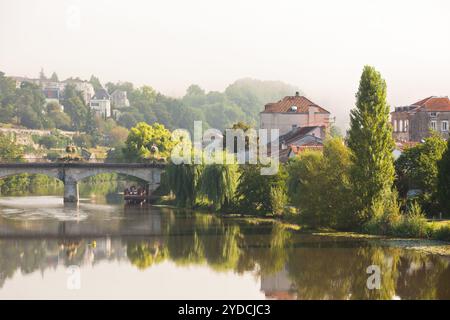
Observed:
{"x":320,"y":46}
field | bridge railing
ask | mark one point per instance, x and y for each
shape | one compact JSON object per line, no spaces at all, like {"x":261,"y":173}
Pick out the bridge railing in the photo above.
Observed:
{"x":93,"y":161}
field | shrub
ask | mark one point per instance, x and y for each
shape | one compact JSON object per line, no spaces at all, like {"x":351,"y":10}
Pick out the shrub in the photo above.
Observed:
{"x":443,"y":233}
{"x":413,"y":223}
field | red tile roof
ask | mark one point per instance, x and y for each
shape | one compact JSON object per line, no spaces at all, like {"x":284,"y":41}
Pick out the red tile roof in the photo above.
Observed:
{"x":434,"y":104}
{"x":302,"y":103}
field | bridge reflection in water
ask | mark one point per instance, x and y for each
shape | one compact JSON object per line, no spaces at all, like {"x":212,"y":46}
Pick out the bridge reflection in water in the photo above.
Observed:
{"x":283,"y":263}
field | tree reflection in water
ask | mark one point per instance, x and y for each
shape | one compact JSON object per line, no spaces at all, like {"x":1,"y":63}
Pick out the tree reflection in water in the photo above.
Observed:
{"x":290,"y":264}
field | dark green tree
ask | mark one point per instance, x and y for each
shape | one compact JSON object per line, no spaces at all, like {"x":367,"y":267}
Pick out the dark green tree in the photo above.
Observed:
{"x":75,"y":107}
{"x":262,"y":194}
{"x":370,"y":140}
{"x":95,"y":83}
{"x":417,"y":168}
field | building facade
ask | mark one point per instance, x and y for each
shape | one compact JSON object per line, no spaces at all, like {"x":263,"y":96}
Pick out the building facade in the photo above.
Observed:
{"x":293,"y":112}
{"x":101,"y":103}
{"x":415,"y":122}
{"x":119,"y":99}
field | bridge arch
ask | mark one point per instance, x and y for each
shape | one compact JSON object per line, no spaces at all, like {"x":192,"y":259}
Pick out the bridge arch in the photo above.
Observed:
{"x":148,"y":176}
{"x":55,"y":173}
{"x":72,"y":173}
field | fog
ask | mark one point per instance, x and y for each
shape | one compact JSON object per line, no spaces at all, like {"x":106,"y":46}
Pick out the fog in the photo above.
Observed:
{"x":320,"y":46}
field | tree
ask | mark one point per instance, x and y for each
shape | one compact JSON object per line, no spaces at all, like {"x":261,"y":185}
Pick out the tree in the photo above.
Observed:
{"x":117,"y":136}
{"x":318,"y":184}
{"x":95,"y":83}
{"x":143,"y":137}
{"x":261,"y":194}
{"x":183,"y":180}
{"x":9,"y":150}
{"x":49,"y":141}
{"x":443,"y":185}
{"x":218,"y":184}
{"x":370,"y":140}
{"x":75,"y":107}
{"x":417,"y":168}
{"x":54,"y":77}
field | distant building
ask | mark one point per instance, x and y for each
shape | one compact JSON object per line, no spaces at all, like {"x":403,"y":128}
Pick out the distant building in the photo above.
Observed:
{"x":101,"y":103}
{"x":119,"y":99}
{"x":416,"y":121}
{"x":85,"y":87}
{"x":293,"y":112}
{"x":54,"y":90}
{"x":299,"y":140}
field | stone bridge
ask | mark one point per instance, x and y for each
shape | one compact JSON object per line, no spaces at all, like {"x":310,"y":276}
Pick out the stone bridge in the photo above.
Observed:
{"x":70,"y":173}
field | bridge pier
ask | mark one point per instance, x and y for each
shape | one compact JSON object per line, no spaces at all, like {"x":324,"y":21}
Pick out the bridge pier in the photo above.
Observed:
{"x":71,"y":193}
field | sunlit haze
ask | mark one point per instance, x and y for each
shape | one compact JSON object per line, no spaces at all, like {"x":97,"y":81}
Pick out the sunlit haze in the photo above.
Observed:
{"x":320,"y":46}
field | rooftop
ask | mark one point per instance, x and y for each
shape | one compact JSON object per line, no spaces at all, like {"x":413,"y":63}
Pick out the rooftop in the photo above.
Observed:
{"x":297,"y":133}
{"x":285,"y":105}
{"x":434,"y":104}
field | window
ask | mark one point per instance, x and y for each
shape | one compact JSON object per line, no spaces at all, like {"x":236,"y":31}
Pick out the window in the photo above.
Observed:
{"x":444,"y":125}
{"x":433,"y":125}
{"x":395,"y":125}
{"x":433,"y":114}
{"x":400,"y":127}
{"x":406,"y":128}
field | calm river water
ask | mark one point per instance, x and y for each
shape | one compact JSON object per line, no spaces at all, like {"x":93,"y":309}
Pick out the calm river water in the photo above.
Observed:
{"x":102,"y":249}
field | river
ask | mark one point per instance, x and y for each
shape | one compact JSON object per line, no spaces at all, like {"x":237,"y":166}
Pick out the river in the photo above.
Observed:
{"x":103,"y":249}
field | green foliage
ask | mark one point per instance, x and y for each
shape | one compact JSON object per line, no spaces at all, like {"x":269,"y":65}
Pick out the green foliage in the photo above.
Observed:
{"x":9,"y":150}
{"x":83,"y":140}
{"x":141,"y":139}
{"x":370,"y":140}
{"x":95,"y":83}
{"x":218,"y":184}
{"x":53,"y":155}
{"x":261,"y":194}
{"x":143,"y":254}
{"x":411,"y":224}
{"x":184,"y":181}
{"x":75,"y":107}
{"x":48,"y":142}
{"x":417,"y":168}
{"x":318,"y":184}
{"x":443,"y":182}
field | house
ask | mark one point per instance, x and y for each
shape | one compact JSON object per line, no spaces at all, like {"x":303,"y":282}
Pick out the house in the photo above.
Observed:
{"x":416,"y":121}
{"x":54,"y":90}
{"x":101,"y":103}
{"x":299,"y":140}
{"x":119,"y":99}
{"x":85,"y":87}
{"x":293,"y":112}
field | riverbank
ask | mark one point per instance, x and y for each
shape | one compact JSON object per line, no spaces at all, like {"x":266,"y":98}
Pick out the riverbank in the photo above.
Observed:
{"x":435,"y":239}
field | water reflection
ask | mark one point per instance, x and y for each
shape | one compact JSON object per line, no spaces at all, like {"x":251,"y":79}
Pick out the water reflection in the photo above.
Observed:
{"x":284,"y":264}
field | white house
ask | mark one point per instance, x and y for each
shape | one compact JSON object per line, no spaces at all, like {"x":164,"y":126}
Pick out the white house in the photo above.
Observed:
{"x":101,"y":103}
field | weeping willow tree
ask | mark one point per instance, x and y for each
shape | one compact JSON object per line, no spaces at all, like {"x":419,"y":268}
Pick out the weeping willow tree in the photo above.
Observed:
{"x":218,"y":184}
{"x":183,"y":180}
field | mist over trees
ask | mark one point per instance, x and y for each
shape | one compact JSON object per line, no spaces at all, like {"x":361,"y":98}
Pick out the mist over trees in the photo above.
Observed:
{"x":241,"y":101}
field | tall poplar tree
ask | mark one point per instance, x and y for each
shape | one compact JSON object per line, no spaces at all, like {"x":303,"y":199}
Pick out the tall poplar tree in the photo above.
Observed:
{"x":370,"y":140}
